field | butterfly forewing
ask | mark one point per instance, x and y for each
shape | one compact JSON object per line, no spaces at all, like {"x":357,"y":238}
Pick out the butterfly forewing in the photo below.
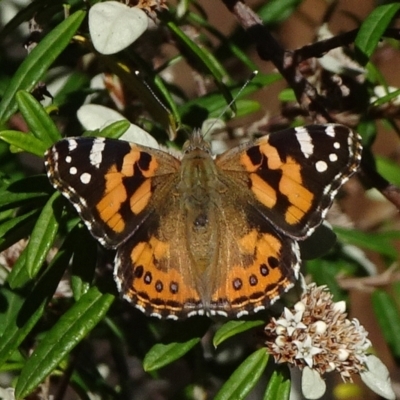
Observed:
{"x":293,"y":175}
{"x":109,"y":182}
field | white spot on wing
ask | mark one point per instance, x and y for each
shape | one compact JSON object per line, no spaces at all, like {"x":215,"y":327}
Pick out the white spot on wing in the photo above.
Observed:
{"x":321,"y":166}
{"x":73,"y":171}
{"x":333,"y":157}
{"x":68,"y":159}
{"x":305,"y":141}
{"x":96,"y":152}
{"x":330,"y":130}
{"x":259,"y":308}
{"x":336,"y":145}
{"x":72,"y":144}
{"x":241,"y":313}
{"x":85,"y":178}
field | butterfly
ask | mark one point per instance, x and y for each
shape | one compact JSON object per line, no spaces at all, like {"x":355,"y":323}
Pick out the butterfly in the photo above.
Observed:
{"x":203,"y":234}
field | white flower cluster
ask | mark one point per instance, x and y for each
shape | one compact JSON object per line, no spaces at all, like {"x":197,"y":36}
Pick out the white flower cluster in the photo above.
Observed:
{"x":317,"y":337}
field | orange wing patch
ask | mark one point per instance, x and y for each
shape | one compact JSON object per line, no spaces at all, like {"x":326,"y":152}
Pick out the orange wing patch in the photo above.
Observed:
{"x":255,"y":285}
{"x":115,"y":195}
{"x":153,"y":285}
{"x":290,"y":183}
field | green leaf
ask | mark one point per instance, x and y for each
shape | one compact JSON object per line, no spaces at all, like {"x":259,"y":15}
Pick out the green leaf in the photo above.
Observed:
{"x":72,"y":90}
{"x":43,"y":234}
{"x":389,"y":169}
{"x":70,"y":329}
{"x":39,"y":60}
{"x":325,"y":272}
{"x":232,"y":328}
{"x":115,"y":130}
{"x":277,"y":11}
{"x":24,"y":141}
{"x":38,"y":121}
{"x":18,"y":277}
{"x":287,"y":95}
{"x":84,"y":262}
{"x":386,"y":98}
{"x":388,"y":317}
{"x":245,"y":377}
{"x":204,"y":58}
{"x":235,"y":50}
{"x":279,"y":385}
{"x":372,"y":29}
{"x":25,"y":310}
{"x":25,"y":190}
{"x":16,"y":228}
{"x":368,"y":131}
{"x":379,"y":242}
{"x":161,"y":355}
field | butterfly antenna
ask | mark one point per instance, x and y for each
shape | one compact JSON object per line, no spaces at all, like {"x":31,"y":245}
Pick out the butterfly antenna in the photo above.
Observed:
{"x":249,"y":79}
{"x":137,"y":73}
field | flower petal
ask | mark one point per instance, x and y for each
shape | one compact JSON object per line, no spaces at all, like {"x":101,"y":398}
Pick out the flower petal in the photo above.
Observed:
{"x":114,"y":26}
{"x":312,"y":385}
{"x":377,"y":378}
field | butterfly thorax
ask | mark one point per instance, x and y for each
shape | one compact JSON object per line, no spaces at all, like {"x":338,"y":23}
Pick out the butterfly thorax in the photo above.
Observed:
{"x":199,"y":190}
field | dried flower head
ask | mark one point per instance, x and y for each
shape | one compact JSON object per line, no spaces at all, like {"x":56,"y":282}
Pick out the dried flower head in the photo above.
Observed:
{"x":318,"y":335}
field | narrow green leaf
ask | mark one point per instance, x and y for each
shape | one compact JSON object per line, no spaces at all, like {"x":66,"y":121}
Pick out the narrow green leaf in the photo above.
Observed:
{"x":287,"y":95}
{"x":367,"y":130}
{"x":202,"y":55}
{"x":277,"y":11}
{"x":24,"y":141}
{"x":388,"y":316}
{"x":115,"y":130}
{"x":161,"y":355}
{"x":379,"y":242}
{"x":7,"y":226}
{"x":279,"y":385}
{"x":245,"y":377}
{"x":325,"y":272}
{"x":232,"y":328}
{"x":37,"y":119}
{"x":204,"y":58}
{"x":372,"y":29}
{"x":24,"y":311}
{"x":75,"y":85}
{"x":16,"y":228}
{"x":70,"y":329}
{"x":389,"y":169}
{"x":18,"y":277}
{"x":39,"y":60}
{"x":84,"y":262}
{"x":386,"y":98}
{"x":24,"y":190}
{"x":43,"y":234}
{"x":236,"y":50}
